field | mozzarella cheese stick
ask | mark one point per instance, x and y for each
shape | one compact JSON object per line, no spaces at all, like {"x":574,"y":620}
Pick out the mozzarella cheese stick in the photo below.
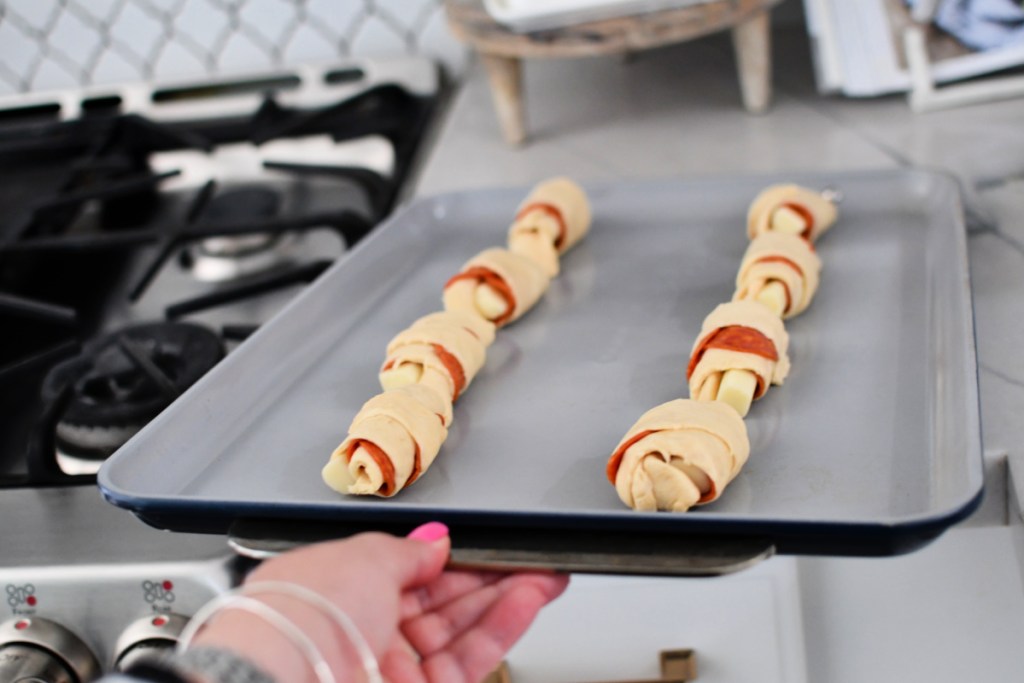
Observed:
{"x":789,"y":261}
{"x":392,"y":440}
{"x":792,"y":209}
{"x":739,"y":335}
{"x":679,"y":454}
{"x":554,"y":216}
{"x":497,"y":285}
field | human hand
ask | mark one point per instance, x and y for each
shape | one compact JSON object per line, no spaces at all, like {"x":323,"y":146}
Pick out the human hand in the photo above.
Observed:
{"x":425,"y":624}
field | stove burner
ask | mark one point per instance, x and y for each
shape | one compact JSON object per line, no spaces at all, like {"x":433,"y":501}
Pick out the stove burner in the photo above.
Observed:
{"x":243,"y":203}
{"x":217,"y":259}
{"x":124,"y":380}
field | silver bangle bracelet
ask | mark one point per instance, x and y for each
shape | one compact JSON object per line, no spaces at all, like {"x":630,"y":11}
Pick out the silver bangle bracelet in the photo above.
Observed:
{"x":310,"y":597}
{"x":234,"y":600}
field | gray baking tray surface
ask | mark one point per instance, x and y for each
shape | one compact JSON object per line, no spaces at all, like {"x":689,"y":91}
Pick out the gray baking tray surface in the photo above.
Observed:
{"x":872,"y":446}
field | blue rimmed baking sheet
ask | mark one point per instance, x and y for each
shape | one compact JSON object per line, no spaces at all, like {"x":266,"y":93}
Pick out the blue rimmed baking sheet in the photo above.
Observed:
{"x":872,"y":446}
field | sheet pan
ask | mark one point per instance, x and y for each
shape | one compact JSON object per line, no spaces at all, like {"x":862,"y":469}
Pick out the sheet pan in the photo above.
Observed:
{"x":872,"y":446}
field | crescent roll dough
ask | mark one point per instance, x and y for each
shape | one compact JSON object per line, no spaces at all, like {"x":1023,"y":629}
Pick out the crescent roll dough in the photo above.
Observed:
{"x":739,"y":335}
{"x":815,"y":213}
{"x":679,"y":454}
{"x":441,"y":351}
{"x":553,"y":217}
{"x":785,"y":259}
{"x":392,"y":440}
{"x":516,"y":279}
{"x":480,"y":328}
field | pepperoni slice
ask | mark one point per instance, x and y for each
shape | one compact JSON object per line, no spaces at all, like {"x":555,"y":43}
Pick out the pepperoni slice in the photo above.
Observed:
{"x":711,"y":494}
{"x":736,"y":338}
{"x":616,"y":460}
{"x":489,"y":277}
{"x":551,"y":210}
{"x":417,"y":467}
{"x":387,"y":469}
{"x":806,"y":215}
{"x":453,"y":366}
{"x":780,"y":259}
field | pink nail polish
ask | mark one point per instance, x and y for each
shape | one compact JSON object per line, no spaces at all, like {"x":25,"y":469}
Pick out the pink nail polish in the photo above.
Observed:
{"x":429,"y":532}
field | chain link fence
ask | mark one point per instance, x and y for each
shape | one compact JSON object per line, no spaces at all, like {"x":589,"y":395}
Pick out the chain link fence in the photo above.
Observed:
{"x":47,"y":45}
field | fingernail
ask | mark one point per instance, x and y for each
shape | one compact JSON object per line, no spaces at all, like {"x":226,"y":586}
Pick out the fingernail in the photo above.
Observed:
{"x":429,"y":532}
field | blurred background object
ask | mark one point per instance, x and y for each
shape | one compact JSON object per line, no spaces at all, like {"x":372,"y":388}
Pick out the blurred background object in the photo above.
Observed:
{"x":876,"y":47}
{"x":503,"y":50}
{"x":50,"y":45}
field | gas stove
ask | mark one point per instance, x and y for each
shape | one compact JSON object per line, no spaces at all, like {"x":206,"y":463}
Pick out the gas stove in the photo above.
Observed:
{"x":146,"y":235}
{"x":146,"y":232}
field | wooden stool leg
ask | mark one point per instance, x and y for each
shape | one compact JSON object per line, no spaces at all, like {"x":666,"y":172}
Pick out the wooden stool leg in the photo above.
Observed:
{"x":752,"y":43}
{"x":506,"y":77}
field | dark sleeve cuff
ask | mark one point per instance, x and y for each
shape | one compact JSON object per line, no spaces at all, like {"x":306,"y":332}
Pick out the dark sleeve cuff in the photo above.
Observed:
{"x":199,"y":665}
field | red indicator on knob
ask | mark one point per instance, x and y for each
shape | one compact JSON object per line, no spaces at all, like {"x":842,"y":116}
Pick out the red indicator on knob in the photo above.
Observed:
{"x":22,"y":624}
{"x":160,"y":621}
{"x":168,"y":586}
{"x":31,"y":601}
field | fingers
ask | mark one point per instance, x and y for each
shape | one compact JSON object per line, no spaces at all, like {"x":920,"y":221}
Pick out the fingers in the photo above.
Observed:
{"x":401,"y":667}
{"x":478,"y":650}
{"x":449,"y":586}
{"x":466,"y":638}
{"x":401,"y":664}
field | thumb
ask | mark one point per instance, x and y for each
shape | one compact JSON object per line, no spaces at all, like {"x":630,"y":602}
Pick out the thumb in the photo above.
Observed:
{"x":424,"y":553}
{"x":406,"y":562}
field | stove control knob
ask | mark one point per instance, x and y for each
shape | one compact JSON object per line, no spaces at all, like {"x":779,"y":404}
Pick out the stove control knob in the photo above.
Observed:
{"x":147,"y":636}
{"x":37,"y":650}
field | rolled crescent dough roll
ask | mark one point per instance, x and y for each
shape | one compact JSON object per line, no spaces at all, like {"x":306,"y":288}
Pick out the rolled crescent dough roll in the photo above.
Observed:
{"x":480,"y":328}
{"x":516,"y":280}
{"x":392,"y":440}
{"x":437,"y":351}
{"x":679,"y":454}
{"x":739,"y":335}
{"x":790,"y":208}
{"x":775,"y":257}
{"x":553,"y":217}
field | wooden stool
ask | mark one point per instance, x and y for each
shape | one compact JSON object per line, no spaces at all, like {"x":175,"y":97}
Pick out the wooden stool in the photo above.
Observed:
{"x":503,"y":50}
